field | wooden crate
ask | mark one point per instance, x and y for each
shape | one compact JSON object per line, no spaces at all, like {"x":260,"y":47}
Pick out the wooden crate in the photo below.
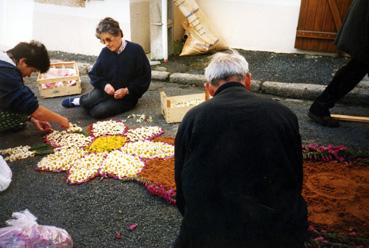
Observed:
{"x":174,"y":108}
{"x":62,"y":79}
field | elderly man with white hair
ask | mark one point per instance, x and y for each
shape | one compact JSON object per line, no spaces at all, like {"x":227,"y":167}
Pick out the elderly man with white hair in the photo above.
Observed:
{"x":238,"y":166}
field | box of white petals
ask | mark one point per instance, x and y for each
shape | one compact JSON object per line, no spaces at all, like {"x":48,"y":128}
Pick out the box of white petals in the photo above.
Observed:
{"x":174,"y":108}
{"x":62,"y":79}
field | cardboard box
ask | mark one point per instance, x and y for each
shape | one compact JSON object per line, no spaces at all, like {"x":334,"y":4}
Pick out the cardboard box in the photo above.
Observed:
{"x":174,"y":108}
{"x":62,"y":79}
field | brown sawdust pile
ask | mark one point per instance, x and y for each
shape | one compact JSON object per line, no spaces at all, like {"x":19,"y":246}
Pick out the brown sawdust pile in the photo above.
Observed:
{"x":337,"y":194}
{"x":160,"y":171}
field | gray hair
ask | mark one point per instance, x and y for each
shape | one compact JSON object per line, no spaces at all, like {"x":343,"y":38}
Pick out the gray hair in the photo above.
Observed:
{"x":108,"y":25}
{"x":225,"y":65}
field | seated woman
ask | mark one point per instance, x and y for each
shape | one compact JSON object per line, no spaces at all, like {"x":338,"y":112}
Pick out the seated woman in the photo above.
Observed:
{"x":120,"y":76}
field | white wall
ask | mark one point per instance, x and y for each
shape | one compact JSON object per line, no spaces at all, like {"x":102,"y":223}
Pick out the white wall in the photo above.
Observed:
{"x":15,"y":22}
{"x":72,"y":29}
{"x":265,"y":25}
{"x":61,"y":28}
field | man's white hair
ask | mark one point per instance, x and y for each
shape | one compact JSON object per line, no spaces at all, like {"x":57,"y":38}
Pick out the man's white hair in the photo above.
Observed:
{"x":225,"y":65}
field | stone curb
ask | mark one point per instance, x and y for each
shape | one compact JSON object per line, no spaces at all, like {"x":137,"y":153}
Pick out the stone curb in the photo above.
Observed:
{"x":359,"y":95}
{"x":292,"y":90}
{"x":186,"y":78}
{"x":160,"y":75}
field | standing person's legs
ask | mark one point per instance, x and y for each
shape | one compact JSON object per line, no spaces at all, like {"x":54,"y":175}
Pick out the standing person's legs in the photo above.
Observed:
{"x":345,"y":79}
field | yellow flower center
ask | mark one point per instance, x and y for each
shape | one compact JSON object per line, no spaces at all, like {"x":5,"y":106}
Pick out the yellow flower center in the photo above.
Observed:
{"x":107,"y":143}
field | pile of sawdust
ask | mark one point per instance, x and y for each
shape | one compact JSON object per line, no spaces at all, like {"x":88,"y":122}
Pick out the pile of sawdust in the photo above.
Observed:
{"x":338,"y":196}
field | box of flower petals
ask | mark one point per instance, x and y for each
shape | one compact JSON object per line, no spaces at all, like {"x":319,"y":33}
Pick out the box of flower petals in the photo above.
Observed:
{"x":174,"y":108}
{"x":62,"y":79}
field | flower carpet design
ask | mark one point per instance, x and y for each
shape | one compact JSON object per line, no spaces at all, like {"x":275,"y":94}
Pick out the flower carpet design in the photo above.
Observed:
{"x":110,"y":150}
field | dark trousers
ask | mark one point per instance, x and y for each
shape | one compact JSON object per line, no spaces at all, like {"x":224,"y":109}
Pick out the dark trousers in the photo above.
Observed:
{"x":100,"y":105}
{"x":345,"y":79}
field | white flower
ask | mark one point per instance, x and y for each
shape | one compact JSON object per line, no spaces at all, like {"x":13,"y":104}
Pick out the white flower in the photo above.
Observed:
{"x":17,"y":153}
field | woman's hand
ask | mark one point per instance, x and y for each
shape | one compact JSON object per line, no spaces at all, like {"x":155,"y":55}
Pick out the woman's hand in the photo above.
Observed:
{"x":109,"y":89}
{"x":121,"y":93}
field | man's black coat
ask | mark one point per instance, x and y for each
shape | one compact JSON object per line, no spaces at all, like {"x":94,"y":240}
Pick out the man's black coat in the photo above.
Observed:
{"x":238,"y":171}
{"x":353,"y":36}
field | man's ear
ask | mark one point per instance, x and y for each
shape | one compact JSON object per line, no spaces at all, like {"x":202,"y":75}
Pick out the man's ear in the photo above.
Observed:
{"x":248,"y":78}
{"x":247,"y":81}
{"x":209,"y":88}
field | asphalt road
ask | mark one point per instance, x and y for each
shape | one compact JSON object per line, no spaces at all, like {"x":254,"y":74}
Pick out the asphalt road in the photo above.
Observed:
{"x":93,"y":212}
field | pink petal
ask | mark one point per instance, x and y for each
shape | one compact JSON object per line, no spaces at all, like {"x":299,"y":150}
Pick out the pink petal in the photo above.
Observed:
{"x":320,"y":238}
{"x":132,"y":227}
{"x":118,"y":235}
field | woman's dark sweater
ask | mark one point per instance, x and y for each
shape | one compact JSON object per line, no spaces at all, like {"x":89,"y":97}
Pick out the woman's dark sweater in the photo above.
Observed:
{"x":130,"y":68}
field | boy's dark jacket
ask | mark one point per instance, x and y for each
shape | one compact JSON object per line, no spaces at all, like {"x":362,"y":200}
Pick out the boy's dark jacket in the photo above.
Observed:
{"x":14,"y":95}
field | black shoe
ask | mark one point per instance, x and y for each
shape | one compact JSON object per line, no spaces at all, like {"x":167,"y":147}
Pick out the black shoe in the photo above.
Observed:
{"x":325,"y":120}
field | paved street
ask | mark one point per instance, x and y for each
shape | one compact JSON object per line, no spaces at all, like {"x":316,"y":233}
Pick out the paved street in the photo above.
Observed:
{"x":94,"y":211}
